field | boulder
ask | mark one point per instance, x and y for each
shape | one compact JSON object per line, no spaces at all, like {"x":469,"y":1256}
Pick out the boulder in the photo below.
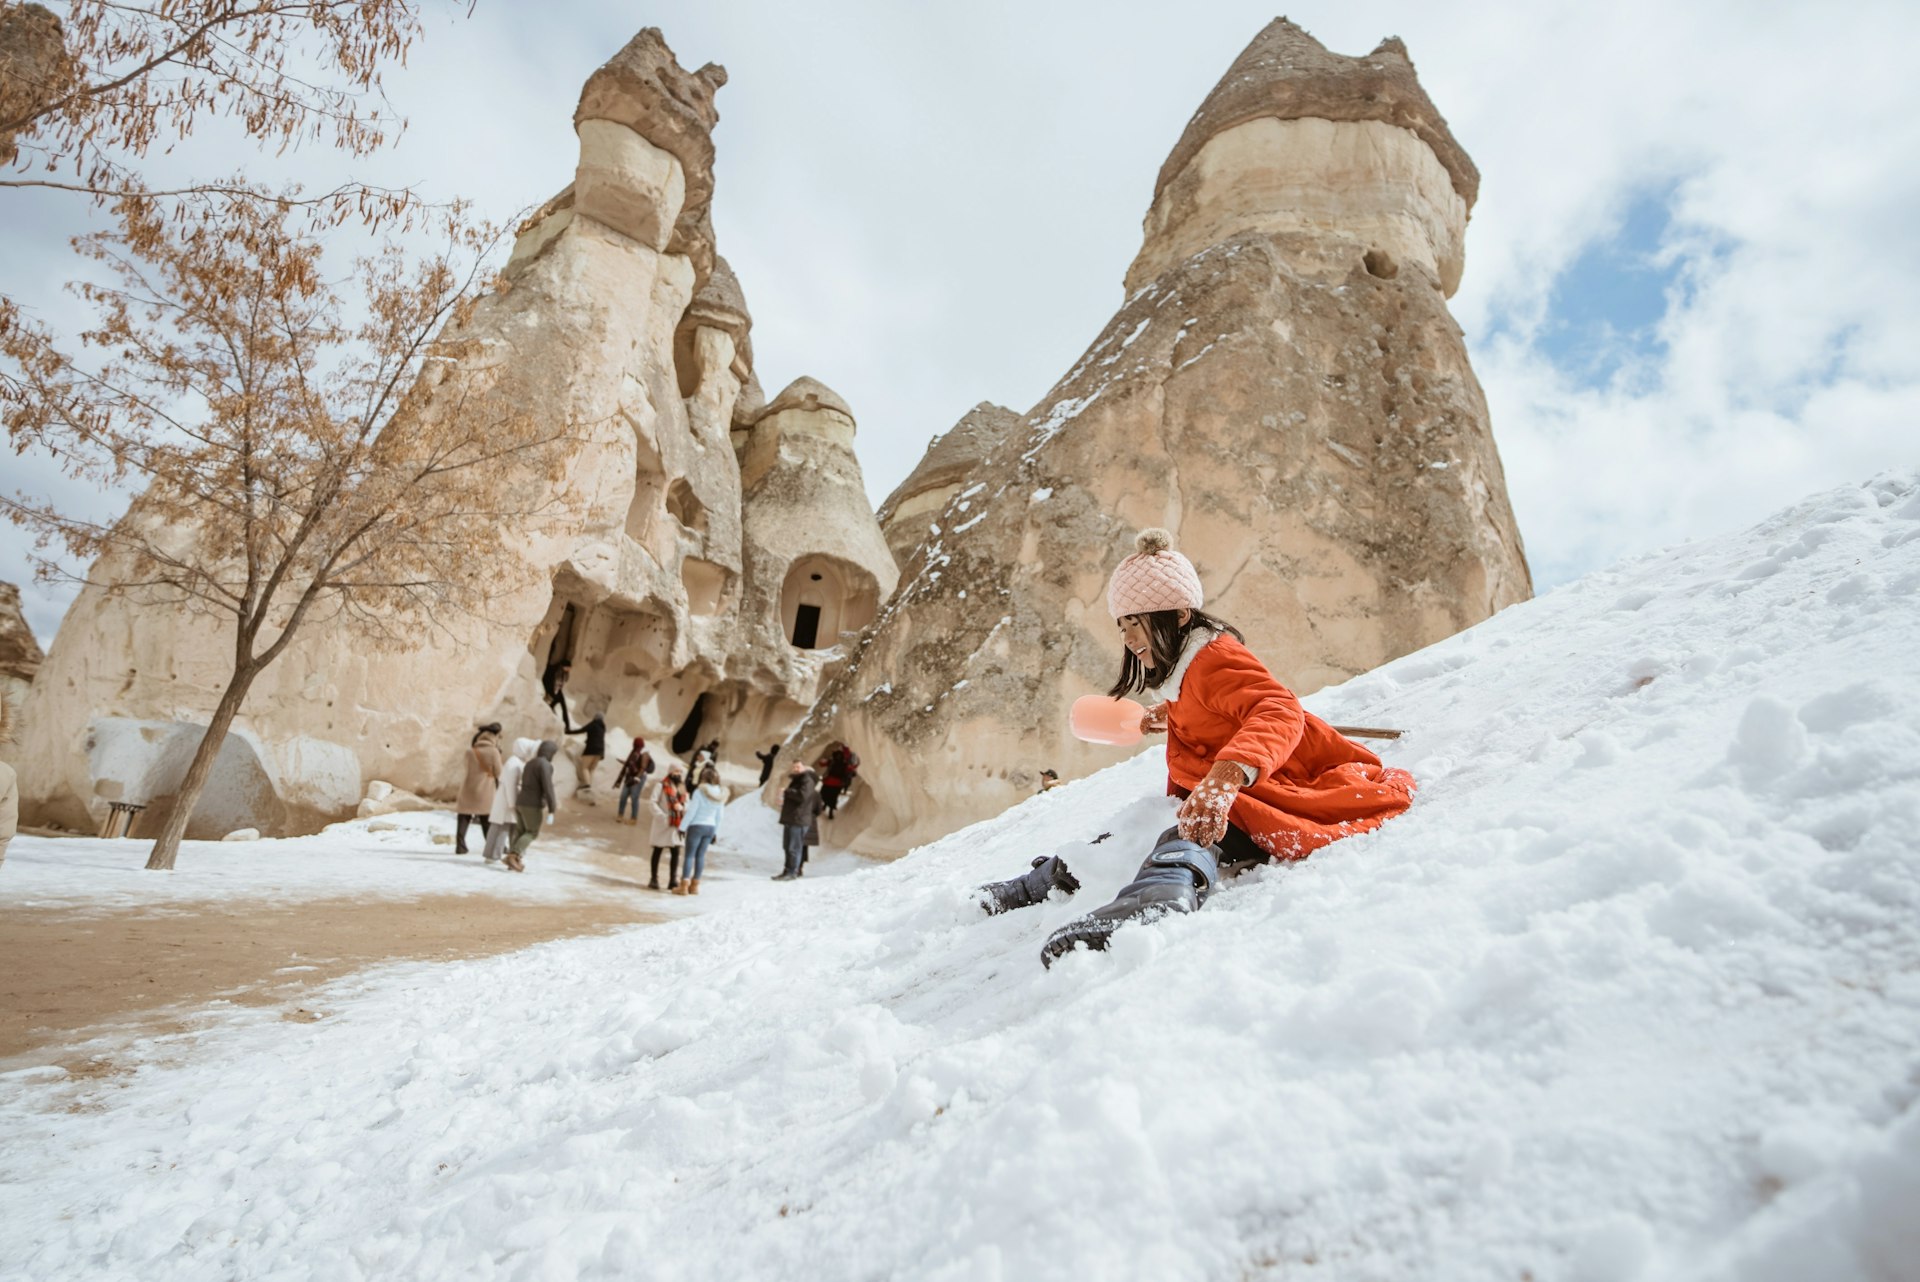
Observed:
{"x":1283,"y":388}
{"x":384,"y":799}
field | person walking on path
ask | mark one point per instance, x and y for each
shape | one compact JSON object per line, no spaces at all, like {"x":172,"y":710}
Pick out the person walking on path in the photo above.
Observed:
{"x":702,"y":824}
{"x":1259,"y":778}
{"x":476,"y":790}
{"x":799,"y":815}
{"x":506,"y":799}
{"x":592,"y":752}
{"x":766,"y":763}
{"x":536,"y":801}
{"x":632,"y":780}
{"x":838,"y":768}
{"x":669,"y":809}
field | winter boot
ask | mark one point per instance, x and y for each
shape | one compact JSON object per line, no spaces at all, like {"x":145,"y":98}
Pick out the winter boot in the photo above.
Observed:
{"x":1049,"y":873}
{"x":693,"y":887}
{"x":1176,"y":878}
{"x":679,"y":888}
{"x":513,"y":861}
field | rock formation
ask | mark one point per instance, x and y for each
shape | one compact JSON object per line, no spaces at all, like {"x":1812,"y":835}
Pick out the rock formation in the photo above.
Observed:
{"x":34,"y":66}
{"x":672,"y":589}
{"x":947,"y":467}
{"x":20,"y":658}
{"x":1283,"y":388}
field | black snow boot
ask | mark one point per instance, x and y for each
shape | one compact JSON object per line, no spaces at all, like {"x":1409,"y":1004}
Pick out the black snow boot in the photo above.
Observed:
{"x":1175,"y":879}
{"x":1049,"y":872}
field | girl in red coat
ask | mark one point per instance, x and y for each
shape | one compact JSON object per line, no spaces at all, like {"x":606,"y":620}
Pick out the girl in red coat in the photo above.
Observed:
{"x":1259,"y":777}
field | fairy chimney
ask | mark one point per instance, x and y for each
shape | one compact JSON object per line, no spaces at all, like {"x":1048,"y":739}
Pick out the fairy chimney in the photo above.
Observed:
{"x":817,"y":560}
{"x":651,"y":581}
{"x":1283,"y":388}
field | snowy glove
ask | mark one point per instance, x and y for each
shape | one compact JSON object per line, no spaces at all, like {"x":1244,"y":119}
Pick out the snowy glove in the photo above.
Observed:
{"x":1203,"y":815}
{"x":1154,"y":720}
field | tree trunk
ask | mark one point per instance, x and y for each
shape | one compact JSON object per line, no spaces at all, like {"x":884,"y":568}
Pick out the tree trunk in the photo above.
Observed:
{"x":167,"y":845}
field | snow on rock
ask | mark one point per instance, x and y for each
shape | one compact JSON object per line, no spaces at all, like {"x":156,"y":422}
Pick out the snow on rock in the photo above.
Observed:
{"x":1633,"y":992}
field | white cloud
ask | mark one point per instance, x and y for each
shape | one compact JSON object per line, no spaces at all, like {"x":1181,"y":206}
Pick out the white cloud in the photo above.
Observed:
{"x":930,"y":206}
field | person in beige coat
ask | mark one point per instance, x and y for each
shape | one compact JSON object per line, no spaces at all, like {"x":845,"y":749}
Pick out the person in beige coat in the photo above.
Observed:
{"x":476,"y":790}
{"x":668,"y":798}
{"x":9,"y":807}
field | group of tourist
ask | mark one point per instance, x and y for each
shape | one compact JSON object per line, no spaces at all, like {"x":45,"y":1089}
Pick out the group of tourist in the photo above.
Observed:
{"x":511,"y":795}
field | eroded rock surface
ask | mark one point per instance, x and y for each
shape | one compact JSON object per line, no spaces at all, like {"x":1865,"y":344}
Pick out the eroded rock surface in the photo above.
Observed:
{"x":665,"y":582}
{"x":1283,"y":388}
{"x":34,"y":67}
{"x":20,"y":658}
{"x":947,"y":468}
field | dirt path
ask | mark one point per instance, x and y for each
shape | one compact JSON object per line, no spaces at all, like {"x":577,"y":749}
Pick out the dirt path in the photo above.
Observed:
{"x":65,"y":976}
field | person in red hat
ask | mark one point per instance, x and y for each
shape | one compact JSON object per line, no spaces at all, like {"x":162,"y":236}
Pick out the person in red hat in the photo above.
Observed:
{"x":1260,"y":779}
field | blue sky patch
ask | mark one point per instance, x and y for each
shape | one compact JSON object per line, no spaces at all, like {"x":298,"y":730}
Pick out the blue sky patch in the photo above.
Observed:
{"x":1605,"y":309}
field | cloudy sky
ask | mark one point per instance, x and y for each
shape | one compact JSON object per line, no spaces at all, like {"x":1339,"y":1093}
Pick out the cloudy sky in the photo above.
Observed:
{"x":1693,"y":275}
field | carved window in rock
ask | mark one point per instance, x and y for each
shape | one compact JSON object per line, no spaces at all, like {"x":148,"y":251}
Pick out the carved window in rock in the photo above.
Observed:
{"x":824,"y":598}
{"x":687,"y":507}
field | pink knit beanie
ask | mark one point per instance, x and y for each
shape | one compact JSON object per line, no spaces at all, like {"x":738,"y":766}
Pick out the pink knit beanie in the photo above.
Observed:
{"x":1154,"y":578}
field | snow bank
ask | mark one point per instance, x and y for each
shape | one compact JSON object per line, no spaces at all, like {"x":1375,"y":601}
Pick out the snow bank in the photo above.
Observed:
{"x":1632,"y":993}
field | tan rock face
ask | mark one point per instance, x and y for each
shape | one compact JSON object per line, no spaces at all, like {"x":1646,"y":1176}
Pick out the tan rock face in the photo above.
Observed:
{"x":1286,"y":392}
{"x":644,"y":89}
{"x":34,"y":66}
{"x":20,"y":658}
{"x":947,"y":468}
{"x":663,"y":583}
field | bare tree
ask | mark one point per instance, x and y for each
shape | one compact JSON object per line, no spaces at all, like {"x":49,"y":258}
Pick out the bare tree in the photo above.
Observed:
{"x":296,"y":464}
{"x":83,"y":101}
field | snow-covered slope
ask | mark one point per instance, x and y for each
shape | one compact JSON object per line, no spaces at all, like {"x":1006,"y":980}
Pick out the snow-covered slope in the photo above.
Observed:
{"x":1632,"y":992}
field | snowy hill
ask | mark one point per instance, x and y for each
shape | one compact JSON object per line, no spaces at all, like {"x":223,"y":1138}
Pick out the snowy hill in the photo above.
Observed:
{"x":1632,"y":992}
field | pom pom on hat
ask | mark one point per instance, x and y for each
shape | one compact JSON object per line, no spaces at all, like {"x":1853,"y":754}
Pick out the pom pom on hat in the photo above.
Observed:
{"x":1154,"y":578}
{"x":1152,"y":542}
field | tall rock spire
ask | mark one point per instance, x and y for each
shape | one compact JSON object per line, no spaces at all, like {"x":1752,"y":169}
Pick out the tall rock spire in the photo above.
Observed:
{"x":1283,"y":388}
{"x":1295,"y":139}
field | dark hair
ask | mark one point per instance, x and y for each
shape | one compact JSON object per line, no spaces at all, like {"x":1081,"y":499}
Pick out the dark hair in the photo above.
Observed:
{"x":1165,"y":640}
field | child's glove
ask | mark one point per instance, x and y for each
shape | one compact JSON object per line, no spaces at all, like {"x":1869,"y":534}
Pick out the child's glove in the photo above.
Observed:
{"x":1154,"y":720}
{"x":1203,"y":815}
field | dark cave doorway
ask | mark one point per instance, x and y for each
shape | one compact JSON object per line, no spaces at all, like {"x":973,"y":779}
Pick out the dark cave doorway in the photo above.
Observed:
{"x":806,"y":627}
{"x":688,"y":735}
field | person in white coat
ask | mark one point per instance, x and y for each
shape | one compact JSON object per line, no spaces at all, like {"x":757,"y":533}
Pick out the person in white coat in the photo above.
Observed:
{"x":501,"y":817}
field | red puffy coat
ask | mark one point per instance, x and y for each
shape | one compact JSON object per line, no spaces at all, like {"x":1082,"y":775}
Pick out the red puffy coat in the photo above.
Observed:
{"x":1314,"y":787}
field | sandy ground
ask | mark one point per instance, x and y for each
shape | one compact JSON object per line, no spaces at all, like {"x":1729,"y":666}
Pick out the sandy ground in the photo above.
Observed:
{"x":66,"y":979}
{"x":81,"y":977}
{"x":77,"y":980}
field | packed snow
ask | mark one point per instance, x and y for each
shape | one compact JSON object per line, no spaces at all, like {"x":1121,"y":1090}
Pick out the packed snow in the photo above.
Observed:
{"x":1633,"y":992}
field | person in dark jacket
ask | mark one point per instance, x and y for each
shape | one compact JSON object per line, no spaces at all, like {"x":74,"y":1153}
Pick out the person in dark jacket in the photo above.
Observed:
{"x":799,"y":808}
{"x":535,"y":803}
{"x":592,"y":752}
{"x":634,"y":773}
{"x":554,"y":682}
{"x":839,"y":767}
{"x":766,"y":762}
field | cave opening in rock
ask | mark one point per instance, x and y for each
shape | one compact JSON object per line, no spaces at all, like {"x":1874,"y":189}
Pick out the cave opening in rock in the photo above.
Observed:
{"x":806,"y":627}
{"x":688,"y":735}
{"x":825,"y":598}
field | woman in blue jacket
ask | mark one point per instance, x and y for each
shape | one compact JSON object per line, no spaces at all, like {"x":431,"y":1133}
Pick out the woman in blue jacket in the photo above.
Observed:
{"x":702,"y":824}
